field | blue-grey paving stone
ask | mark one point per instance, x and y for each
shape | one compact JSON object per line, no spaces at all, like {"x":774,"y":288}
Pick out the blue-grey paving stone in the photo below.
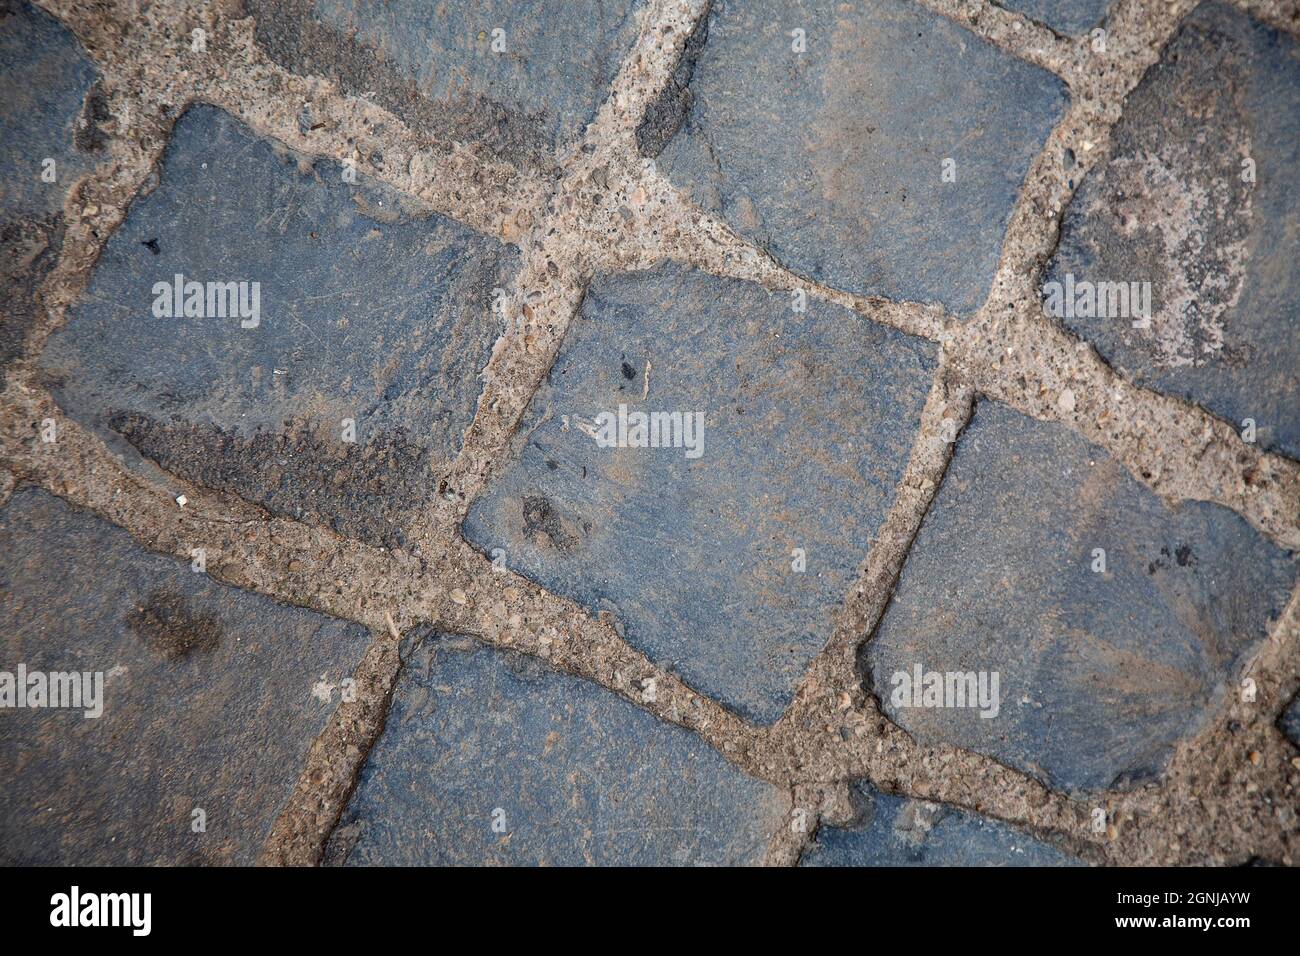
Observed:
{"x":207,"y":698}
{"x":895,"y":831}
{"x":434,"y":65}
{"x":1290,"y":721}
{"x":1070,"y":17}
{"x":49,"y":107}
{"x":1170,"y":208}
{"x":571,"y":774}
{"x":369,"y":310}
{"x":808,"y":423}
{"x":1100,"y":673}
{"x":832,"y":159}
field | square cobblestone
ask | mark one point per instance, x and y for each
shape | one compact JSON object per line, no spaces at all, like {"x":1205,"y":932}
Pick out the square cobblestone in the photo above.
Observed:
{"x":833,"y":159}
{"x":370,"y":311}
{"x":1070,"y":17}
{"x":1102,"y":667}
{"x":49,"y":107}
{"x":808,"y":421}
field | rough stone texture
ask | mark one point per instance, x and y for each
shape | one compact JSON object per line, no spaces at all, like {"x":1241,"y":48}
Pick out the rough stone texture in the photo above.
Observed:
{"x":371,"y":310}
{"x":808,"y":422}
{"x":832,"y":159}
{"x":1171,"y":208}
{"x":47,"y":111}
{"x":1070,"y":17}
{"x":435,"y":66}
{"x":1101,"y":673}
{"x":208,"y":698}
{"x":894,"y":831}
{"x":571,"y":773}
{"x":1228,"y":795}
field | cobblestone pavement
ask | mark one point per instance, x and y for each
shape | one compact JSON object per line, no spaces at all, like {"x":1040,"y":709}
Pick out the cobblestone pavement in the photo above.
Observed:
{"x":650,"y":432}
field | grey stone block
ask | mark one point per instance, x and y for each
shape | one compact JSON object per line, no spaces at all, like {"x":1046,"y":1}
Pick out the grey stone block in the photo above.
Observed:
{"x":369,"y":309}
{"x":894,"y":831}
{"x":1290,"y":721}
{"x":1101,"y":672}
{"x":50,"y":106}
{"x":833,"y":158}
{"x":808,"y":420}
{"x":1069,"y":17}
{"x":207,"y":698}
{"x":489,"y":757}
{"x":446,"y":70}
{"x":1171,"y":209}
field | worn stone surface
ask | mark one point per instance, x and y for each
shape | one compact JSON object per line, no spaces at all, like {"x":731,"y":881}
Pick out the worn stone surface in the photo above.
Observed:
{"x":47,"y":113}
{"x":569,"y":773}
{"x":208,"y":698}
{"x":895,"y":831}
{"x":1171,"y":208}
{"x":1070,"y":17}
{"x":370,"y":310}
{"x":808,"y":422}
{"x":436,"y":67}
{"x":832,"y":159}
{"x":1101,"y":672}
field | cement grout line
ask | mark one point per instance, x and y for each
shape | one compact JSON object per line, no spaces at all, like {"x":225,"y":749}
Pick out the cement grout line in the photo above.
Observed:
{"x":567,"y":246}
{"x":1013,"y":33}
{"x":810,"y":805}
{"x":836,"y":730}
{"x":689,"y":236}
{"x":455,"y":589}
{"x":330,"y":773}
{"x":831,"y":682}
{"x":1216,"y":763}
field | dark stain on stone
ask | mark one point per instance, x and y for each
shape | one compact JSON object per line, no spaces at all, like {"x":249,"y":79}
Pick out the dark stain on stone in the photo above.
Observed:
{"x":665,"y":115}
{"x":305,"y":471}
{"x":88,"y":136}
{"x":172,"y":628}
{"x":540,"y":517}
{"x":152,"y":246}
{"x":298,"y":41}
{"x":629,"y":372}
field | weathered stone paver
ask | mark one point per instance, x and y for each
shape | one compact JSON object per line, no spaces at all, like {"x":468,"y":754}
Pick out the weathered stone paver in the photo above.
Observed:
{"x":490,"y":757}
{"x":366,"y":310}
{"x":808,"y":421}
{"x":210,"y":698}
{"x":1199,"y":201}
{"x":514,"y":75}
{"x":1100,"y":671}
{"x":834,"y":158}
{"x":1070,"y":17}
{"x":894,"y":831}
{"x":48,"y":138}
